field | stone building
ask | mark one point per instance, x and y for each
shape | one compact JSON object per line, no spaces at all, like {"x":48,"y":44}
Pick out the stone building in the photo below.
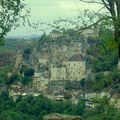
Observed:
{"x":36,"y":81}
{"x":58,"y":72}
{"x":39,"y":82}
{"x":43,"y":61}
{"x":91,"y":32}
{"x":89,"y":104}
{"x":76,"y":67}
{"x":55,"y":34}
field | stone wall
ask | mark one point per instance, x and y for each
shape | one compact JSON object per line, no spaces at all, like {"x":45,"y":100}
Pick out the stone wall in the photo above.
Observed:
{"x":61,"y":117}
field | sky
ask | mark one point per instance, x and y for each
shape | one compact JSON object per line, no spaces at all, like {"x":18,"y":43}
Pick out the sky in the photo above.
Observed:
{"x":50,"y":10}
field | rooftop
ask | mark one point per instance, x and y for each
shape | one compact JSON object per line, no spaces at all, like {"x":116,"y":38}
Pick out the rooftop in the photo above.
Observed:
{"x":76,"y":57}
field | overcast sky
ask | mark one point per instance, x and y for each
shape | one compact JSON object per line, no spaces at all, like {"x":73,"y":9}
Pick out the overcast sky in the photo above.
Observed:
{"x":50,"y":10}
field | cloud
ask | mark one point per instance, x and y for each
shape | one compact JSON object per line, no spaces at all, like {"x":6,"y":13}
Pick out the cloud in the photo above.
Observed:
{"x":51,"y":9}
{"x":67,"y":5}
{"x":46,"y":10}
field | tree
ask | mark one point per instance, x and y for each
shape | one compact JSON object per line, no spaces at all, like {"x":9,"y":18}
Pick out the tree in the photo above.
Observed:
{"x":10,"y":115}
{"x":22,"y":106}
{"x":3,"y":74}
{"x":26,"y":80}
{"x":102,"y":52}
{"x":10,"y":14}
{"x":113,"y":6}
{"x":12,"y":79}
{"x":80,"y":107}
{"x":29,"y":72}
{"x":83,"y":86}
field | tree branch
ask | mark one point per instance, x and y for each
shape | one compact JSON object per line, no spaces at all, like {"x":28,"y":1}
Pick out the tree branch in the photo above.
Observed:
{"x":106,"y":5}
{"x":92,"y":1}
{"x":97,"y":12}
{"x":83,"y":29}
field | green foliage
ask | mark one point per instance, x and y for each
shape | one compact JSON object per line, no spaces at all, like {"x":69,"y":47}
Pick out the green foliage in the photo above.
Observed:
{"x":9,"y":15}
{"x":27,"y":51}
{"x":26,"y":80}
{"x":3,"y":74}
{"x":105,"y":110}
{"x":82,"y":83}
{"x":103,"y":59}
{"x":12,"y":79}
{"x":10,"y":115}
{"x":70,"y":85}
{"x":80,"y":108}
{"x":35,"y":108}
{"x":116,"y":75}
{"x":102,"y":51}
{"x":28,"y":75}
{"x":15,"y":44}
{"x":26,"y":54}
{"x":103,"y":55}
{"x":22,"y":69}
{"x":29,"y":72}
{"x":100,"y":82}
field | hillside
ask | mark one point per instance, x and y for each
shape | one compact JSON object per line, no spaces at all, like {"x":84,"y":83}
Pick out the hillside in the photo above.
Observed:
{"x":11,"y":48}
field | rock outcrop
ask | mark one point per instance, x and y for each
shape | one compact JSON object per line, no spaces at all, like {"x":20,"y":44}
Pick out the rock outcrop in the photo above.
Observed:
{"x":61,"y":117}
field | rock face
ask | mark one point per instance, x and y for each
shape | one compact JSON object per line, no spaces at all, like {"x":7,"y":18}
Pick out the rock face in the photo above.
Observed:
{"x":61,"y":117}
